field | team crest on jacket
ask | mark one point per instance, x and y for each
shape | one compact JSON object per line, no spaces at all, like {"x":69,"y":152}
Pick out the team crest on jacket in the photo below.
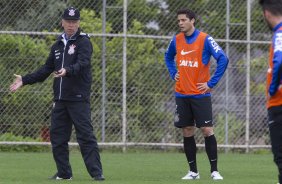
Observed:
{"x":71,"y":49}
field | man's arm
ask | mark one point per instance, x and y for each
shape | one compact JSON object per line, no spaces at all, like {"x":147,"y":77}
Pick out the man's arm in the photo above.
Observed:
{"x":38,"y":76}
{"x":222,"y":61}
{"x":277,"y":63}
{"x":42,"y":73}
{"x":169,"y":59}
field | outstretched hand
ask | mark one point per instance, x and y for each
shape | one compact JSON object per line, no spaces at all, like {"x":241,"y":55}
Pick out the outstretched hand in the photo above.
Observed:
{"x":17,"y":83}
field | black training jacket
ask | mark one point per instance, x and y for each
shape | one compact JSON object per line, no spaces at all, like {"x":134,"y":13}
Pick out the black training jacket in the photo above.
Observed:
{"x":75,"y":57}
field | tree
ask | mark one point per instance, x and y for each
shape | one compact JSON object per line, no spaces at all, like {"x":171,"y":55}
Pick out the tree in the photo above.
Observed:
{"x":23,"y":109}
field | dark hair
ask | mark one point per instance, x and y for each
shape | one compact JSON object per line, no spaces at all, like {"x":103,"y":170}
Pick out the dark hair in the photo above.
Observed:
{"x":189,"y":13}
{"x":274,"y":6}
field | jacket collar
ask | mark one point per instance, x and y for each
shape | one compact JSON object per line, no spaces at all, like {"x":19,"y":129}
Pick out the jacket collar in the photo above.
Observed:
{"x":277,"y":27}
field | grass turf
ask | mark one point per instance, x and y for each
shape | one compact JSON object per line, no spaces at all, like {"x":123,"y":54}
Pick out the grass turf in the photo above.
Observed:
{"x":139,"y":168}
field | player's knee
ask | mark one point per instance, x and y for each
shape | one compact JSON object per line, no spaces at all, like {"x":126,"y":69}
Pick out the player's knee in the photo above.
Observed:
{"x":188,"y":131}
{"x":207,"y":131}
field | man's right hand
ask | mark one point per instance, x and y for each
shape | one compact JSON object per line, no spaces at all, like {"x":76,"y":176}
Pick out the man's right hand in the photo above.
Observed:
{"x":17,"y":83}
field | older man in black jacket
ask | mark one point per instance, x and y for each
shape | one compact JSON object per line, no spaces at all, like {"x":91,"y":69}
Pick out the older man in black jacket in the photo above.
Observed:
{"x":70,"y":62}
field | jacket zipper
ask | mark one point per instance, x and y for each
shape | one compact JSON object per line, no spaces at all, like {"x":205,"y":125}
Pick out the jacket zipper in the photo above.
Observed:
{"x":61,"y":78}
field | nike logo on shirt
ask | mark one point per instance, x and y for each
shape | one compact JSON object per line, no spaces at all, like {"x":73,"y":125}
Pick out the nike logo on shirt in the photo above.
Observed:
{"x":185,"y":53}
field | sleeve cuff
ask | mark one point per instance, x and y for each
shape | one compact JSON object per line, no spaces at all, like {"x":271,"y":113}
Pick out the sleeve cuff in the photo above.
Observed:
{"x":209,"y":85}
{"x":67,"y":71}
{"x":24,"y":80}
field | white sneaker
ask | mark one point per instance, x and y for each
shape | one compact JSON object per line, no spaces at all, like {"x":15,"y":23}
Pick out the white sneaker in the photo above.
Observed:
{"x":58,"y":178}
{"x":191,"y":176}
{"x":216,"y":176}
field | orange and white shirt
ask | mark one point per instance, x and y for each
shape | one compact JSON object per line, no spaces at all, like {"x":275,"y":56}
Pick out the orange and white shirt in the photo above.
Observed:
{"x":189,"y":56}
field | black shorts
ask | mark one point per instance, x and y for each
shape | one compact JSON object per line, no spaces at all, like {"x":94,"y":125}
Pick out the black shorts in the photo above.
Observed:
{"x":193,"y":111}
{"x":274,"y":115}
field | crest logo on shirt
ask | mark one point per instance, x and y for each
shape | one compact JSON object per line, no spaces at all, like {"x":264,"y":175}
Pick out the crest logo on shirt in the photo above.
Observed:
{"x":71,"y":49}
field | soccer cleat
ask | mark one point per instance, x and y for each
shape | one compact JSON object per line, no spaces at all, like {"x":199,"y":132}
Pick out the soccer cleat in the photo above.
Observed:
{"x":191,"y":176}
{"x":99,"y":178}
{"x":56,"y":177}
{"x":216,"y":176}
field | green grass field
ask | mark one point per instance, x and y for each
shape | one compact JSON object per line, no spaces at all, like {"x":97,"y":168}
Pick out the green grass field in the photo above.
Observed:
{"x":139,"y":168}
